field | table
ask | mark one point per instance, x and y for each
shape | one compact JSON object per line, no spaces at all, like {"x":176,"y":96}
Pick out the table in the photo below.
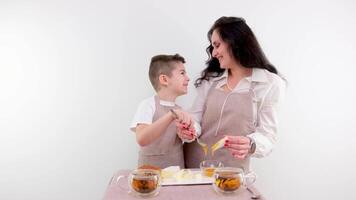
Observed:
{"x":186,"y":192}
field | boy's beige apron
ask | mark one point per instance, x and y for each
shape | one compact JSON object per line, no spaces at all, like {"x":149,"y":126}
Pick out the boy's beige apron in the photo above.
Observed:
{"x":167,"y":150}
{"x":238,"y":118}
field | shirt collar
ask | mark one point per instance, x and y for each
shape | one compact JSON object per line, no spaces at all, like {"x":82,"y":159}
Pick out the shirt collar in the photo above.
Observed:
{"x":258,"y":75}
{"x":223,"y":76}
{"x":221,"y":79}
{"x":167,"y":103}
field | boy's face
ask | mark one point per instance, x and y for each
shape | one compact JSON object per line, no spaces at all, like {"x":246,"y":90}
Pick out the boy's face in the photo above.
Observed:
{"x":178,"y":82}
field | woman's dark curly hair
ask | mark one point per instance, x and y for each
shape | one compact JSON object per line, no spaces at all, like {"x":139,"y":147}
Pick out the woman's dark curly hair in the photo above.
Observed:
{"x":242,"y":43}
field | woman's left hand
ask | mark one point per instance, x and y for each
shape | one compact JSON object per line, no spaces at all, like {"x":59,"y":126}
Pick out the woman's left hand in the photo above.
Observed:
{"x":184,"y":132}
{"x":239,"y":146}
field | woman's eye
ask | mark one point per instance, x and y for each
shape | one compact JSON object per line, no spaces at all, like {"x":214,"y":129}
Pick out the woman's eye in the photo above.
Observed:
{"x":215,"y":46}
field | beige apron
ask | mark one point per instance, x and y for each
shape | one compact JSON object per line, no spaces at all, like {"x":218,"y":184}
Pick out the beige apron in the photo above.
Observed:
{"x":167,"y":150}
{"x":237,"y":113}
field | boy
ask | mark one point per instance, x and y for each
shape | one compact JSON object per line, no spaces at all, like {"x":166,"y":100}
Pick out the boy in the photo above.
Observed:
{"x":153,"y":122}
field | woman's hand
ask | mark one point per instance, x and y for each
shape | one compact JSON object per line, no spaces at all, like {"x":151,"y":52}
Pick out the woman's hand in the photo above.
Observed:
{"x":185,"y":124}
{"x":239,"y":146}
{"x":184,"y":132}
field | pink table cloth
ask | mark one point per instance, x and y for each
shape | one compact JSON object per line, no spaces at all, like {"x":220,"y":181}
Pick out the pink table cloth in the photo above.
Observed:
{"x":186,"y":192}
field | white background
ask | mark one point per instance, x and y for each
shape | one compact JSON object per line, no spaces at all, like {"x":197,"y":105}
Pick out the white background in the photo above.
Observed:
{"x":72,"y":74}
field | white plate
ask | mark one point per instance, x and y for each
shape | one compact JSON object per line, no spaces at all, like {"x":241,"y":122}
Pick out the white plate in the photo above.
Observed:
{"x":197,"y":179}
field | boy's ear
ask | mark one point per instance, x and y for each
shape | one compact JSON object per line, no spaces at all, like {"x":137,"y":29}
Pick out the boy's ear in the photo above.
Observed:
{"x":163,"y":79}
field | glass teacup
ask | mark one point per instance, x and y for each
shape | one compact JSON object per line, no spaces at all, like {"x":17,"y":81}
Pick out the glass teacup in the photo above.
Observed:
{"x":208,"y":167}
{"x":231,"y":179}
{"x":144,"y":182}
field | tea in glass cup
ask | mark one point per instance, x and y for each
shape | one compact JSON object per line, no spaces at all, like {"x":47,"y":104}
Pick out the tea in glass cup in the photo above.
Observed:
{"x":208,"y":167}
{"x":230,"y":179}
{"x":143,"y":182}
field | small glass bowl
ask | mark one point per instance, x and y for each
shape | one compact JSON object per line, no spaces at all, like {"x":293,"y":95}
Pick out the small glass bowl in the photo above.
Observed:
{"x":208,"y":167}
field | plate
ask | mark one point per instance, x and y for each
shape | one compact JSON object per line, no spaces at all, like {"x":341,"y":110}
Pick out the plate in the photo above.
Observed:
{"x":193,"y":178}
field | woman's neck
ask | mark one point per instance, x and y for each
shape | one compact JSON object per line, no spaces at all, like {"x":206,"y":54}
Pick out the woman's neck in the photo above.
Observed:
{"x":237,"y":72}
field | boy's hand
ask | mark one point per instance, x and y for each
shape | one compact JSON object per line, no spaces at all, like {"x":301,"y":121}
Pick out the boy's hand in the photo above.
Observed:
{"x":185,"y":125}
{"x":182,"y":117}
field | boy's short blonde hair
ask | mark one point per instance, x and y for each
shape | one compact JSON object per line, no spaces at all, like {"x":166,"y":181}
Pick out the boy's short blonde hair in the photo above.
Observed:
{"x":162,"y":64}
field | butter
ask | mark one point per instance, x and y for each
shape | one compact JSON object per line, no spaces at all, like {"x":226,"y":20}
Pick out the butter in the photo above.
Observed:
{"x":184,"y":174}
{"x":169,"y":172}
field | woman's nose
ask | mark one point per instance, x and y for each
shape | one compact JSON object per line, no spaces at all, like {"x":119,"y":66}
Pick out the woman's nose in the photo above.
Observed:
{"x":214,"y":53}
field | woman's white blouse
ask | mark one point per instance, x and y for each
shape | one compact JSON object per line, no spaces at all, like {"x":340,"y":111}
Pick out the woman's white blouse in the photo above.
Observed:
{"x":269,"y":91}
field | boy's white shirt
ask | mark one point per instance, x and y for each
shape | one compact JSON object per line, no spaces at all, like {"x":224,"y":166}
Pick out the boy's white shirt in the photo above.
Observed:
{"x":147,"y":108}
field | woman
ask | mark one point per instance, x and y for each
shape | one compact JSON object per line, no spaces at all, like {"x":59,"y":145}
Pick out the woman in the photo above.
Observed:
{"x":238,"y":93}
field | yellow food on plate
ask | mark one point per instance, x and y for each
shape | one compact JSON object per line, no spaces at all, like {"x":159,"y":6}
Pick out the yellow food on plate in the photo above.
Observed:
{"x":169,"y":172}
{"x":184,"y":174}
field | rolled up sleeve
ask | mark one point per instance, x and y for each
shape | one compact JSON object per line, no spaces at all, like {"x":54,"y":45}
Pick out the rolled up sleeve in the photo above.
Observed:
{"x":266,"y":130}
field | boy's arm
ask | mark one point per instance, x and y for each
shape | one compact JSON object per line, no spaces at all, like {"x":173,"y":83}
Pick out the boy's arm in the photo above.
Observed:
{"x":147,"y":133}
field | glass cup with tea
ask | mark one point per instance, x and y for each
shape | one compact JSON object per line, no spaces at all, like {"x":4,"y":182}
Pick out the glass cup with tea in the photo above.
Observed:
{"x":208,"y":167}
{"x":143,"y":182}
{"x":229,"y":180}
